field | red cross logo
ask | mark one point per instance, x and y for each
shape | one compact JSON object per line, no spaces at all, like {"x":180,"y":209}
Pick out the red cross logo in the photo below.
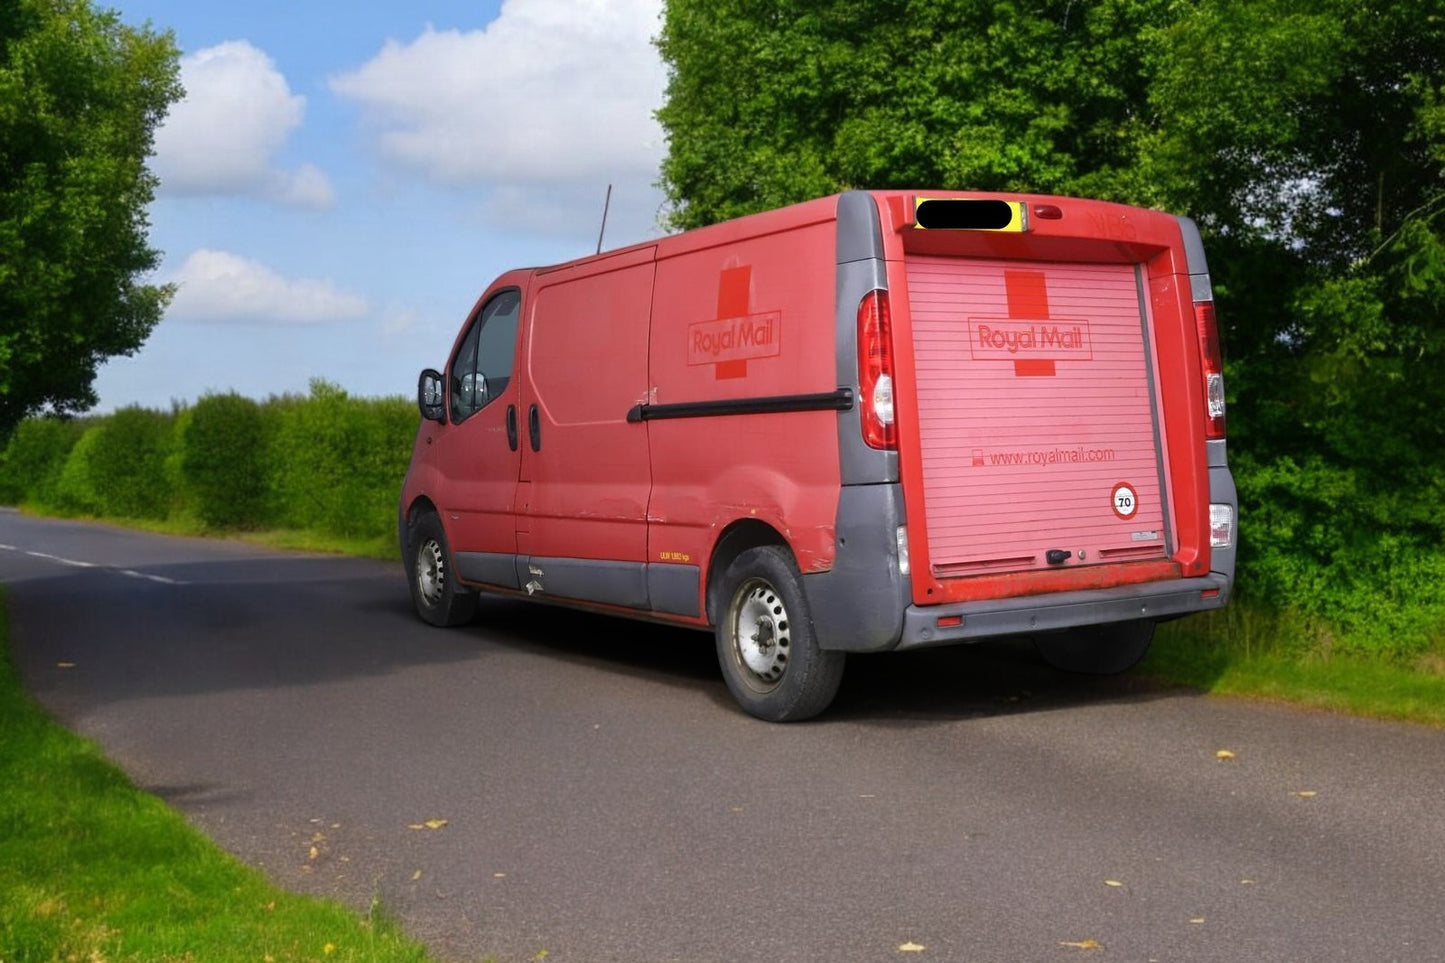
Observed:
{"x":734,"y":337}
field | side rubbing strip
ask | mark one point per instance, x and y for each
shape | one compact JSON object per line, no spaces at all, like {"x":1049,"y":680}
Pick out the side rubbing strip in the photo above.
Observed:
{"x":840,"y":400}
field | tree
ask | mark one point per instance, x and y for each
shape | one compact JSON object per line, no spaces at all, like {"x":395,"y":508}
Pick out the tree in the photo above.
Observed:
{"x":80,"y":97}
{"x":770,"y":102}
{"x":1308,"y":140}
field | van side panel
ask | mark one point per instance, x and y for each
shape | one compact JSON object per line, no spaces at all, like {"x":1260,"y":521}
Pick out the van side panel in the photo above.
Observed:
{"x":745,"y":318}
{"x":584,"y":466}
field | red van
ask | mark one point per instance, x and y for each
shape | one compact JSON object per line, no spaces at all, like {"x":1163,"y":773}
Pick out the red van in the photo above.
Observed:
{"x":879,"y":420}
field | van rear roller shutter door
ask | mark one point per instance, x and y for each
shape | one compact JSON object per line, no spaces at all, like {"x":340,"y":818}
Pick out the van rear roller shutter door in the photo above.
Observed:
{"x":1037,"y":414}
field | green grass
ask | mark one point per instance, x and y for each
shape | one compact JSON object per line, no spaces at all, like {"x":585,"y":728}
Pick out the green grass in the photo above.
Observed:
{"x":1247,"y":651}
{"x":383,"y":547}
{"x":93,"y":869}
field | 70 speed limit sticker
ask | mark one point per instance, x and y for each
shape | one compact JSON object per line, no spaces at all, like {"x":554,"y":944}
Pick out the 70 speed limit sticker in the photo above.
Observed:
{"x":1124,"y":500}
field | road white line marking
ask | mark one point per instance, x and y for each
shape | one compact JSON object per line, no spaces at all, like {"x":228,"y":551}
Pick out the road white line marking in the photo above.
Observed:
{"x":75,"y":563}
{"x":149,"y":578}
{"x":62,"y":561}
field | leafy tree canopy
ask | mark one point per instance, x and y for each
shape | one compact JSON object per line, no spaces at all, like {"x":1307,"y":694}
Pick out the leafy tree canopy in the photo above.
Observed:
{"x":80,"y":97}
{"x":1307,"y":138}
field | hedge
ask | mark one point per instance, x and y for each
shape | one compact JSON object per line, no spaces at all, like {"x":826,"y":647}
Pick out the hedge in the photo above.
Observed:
{"x":324,"y":462}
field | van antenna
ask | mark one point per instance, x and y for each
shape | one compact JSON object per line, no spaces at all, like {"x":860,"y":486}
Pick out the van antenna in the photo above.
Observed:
{"x":605,"y":205}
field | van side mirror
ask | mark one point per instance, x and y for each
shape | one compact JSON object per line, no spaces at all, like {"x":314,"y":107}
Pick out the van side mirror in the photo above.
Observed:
{"x":431,"y":396}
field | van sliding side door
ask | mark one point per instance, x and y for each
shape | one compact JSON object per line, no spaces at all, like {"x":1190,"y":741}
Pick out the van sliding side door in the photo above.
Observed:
{"x":582,"y":504}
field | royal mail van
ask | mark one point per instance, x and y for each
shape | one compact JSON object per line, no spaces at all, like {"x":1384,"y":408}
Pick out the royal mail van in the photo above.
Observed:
{"x":876,"y":421}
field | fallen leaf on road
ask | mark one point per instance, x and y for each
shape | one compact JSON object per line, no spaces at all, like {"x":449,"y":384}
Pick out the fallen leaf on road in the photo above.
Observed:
{"x":911,"y":947}
{"x":429,"y":824}
{"x":313,"y":852}
{"x":1224,"y":754}
{"x":1197,"y":919}
{"x":416,"y":876}
{"x":1084,"y":945}
{"x":1307,"y":794}
{"x":1112,"y":882}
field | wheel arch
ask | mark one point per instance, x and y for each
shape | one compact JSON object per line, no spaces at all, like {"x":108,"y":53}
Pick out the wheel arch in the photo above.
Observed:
{"x":738,"y":537}
{"x":419,"y":506}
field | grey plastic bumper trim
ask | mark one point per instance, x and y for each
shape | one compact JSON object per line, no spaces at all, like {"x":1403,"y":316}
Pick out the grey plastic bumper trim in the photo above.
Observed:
{"x":1043,"y":613}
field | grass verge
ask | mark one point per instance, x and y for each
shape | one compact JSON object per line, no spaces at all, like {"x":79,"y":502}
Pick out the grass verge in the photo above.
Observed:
{"x":383,"y":548}
{"x":1249,"y":652}
{"x":93,"y":869}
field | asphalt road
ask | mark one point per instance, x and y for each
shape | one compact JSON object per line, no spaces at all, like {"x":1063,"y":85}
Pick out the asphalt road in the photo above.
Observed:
{"x":605,"y":801}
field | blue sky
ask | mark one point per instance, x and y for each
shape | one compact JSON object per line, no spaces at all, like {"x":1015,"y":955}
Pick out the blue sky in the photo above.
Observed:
{"x":342,"y":180}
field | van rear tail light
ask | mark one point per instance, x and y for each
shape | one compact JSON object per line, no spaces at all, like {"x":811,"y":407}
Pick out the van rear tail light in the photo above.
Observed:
{"x":1213,"y":368}
{"x":1221,"y":526}
{"x":875,"y":371}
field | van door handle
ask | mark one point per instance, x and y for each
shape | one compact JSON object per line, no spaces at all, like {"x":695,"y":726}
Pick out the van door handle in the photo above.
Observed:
{"x":534,"y":428}
{"x":512,"y":427}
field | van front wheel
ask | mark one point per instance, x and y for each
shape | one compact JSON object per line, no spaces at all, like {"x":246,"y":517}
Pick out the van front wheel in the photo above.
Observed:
{"x":765,"y":643}
{"x":1097,"y":649}
{"x":438,"y":597}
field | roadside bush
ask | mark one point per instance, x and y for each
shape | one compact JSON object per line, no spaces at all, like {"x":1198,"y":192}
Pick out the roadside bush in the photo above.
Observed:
{"x":75,"y":491}
{"x":1330,"y":544}
{"x":127,"y":469}
{"x":339,"y":461}
{"x":222,"y":464}
{"x":33,"y":459}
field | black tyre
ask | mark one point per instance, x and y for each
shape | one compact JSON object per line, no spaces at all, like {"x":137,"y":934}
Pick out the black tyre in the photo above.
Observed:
{"x":765,"y":643}
{"x":439,"y":598}
{"x":1097,"y":649}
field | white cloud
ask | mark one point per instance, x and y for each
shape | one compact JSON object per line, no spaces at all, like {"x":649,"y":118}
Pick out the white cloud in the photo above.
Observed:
{"x":220,"y":286}
{"x":222,"y":137}
{"x":553,"y":94}
{"x":304,"y":187}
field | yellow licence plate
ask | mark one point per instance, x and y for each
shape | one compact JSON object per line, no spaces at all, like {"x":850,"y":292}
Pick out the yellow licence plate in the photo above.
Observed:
{"x":969,"y":214}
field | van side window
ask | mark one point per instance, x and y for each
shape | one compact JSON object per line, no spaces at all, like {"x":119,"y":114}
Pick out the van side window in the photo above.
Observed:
{"x":483,"y":365}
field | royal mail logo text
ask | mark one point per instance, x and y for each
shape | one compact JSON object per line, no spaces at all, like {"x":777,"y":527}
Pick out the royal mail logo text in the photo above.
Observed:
{"x":1006,"y":339}
{"x":734,"y":339}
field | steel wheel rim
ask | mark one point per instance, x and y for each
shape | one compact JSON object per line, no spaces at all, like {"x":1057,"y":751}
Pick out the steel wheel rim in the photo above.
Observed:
{"x":431,"y":571}
{"x":761,"y":634}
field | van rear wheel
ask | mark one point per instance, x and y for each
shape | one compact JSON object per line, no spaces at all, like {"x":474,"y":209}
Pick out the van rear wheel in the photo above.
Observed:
{"x":435,"y":592}
{"x":1097,"y":649}
{"x":765,"y":642}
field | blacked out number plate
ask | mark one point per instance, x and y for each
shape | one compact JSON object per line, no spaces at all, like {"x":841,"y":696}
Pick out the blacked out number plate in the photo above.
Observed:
{"x":970,"y":214}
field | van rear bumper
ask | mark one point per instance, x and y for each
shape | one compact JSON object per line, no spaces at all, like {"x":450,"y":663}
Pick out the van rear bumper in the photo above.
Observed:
{"x":1064,"y":610}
